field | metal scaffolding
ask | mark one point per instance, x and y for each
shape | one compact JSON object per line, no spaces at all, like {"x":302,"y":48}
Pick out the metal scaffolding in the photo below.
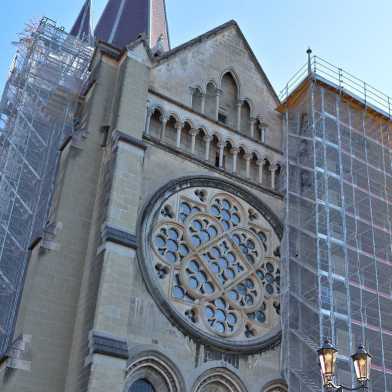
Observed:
{"x":337,"y":252}
{"x":37,"y":112}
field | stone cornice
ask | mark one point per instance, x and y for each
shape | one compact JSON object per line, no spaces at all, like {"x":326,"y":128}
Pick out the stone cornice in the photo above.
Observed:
{"x":107,"y":344}
{"x":217,"y":123}
{"x":231,"y":176}
{"x":119,"y":236}
{"x":119,"y":136}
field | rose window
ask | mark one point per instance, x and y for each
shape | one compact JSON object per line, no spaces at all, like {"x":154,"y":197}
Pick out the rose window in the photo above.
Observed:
{"x":210,"y":256}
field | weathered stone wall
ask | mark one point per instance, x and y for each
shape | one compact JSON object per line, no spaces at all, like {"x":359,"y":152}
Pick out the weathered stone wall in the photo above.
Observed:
{"x":88,"y":309}
{"x":207,"y":61}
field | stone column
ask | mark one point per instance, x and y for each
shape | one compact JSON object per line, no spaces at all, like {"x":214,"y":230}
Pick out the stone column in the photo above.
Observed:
{"x":260,"y":164}
{"x":179,"y":126}
{"x":164,"y":120}
{"x":217,"y":102}
{"x":221,"y":147}
{"x":193,"y":132}
{"x":252,"y":126}
{"x":150,"y":111}
{"x":239,"y":105}
{"x":263,"y":132}
{"x":273,"y":169}
{"x":207,"y":139}
{"x":234,"y":152}
{"x":247,"y":158}
{"x":203,"y":102}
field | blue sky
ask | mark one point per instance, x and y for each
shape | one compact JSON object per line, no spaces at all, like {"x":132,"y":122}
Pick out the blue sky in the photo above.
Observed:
{"x":353,"y":34}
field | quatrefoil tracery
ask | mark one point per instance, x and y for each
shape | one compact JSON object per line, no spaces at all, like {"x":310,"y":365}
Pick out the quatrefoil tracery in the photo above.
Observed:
{"x":218,"y":264}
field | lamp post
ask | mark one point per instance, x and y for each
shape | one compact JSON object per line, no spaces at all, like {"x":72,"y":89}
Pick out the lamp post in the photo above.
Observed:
{"x":327,"y":357}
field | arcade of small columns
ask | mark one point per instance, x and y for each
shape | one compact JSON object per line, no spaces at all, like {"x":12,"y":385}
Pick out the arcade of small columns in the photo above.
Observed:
{"x":213,"y":147}
{"x":253,"y":127}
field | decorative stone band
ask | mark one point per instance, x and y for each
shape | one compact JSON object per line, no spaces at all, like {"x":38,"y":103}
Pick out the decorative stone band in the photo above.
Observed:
{"x":124,"y":137}
{"x":107,"y":344}
{"x":119,"y":236}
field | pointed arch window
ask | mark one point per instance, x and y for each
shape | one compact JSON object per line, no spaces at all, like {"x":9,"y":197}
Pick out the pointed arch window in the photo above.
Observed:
{"x":245,"y":118}
{"x":197,"y":100}
{"x":229,"y":99}
{"x":211,"y":100}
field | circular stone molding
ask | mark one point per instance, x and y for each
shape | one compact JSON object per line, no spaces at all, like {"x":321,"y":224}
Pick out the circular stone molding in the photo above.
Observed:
{"x":209,"y":253}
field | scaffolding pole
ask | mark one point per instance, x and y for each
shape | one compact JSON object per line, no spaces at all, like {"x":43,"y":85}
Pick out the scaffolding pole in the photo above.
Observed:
{"x":337,"y":248}
{"x":37,"y":111}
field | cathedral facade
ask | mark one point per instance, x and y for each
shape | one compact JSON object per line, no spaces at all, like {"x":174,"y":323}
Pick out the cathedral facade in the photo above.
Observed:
{"x":163,"y":272}
{"x":169,"y":224}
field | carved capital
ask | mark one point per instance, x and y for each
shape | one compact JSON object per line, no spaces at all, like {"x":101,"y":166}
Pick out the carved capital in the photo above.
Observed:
{"x":218,"y":92}
{"x":235,"y":151}
{"x":247,"y":157}
{"x":164,"y":119}
{"x":274,"y":166}
{"x":194,"y":89}
{"x":179,"y":125}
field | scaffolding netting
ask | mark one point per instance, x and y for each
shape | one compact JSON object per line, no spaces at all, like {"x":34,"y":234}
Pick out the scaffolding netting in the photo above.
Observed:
{"x":337,"y":256}
{"x":37,"y":112}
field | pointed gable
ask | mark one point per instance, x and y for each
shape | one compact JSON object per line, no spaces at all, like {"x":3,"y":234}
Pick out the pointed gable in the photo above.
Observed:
{"x":82,"y":26}
{"x":221,"y":48}
{"x":219,"y":63}
{"x":122,"y":21}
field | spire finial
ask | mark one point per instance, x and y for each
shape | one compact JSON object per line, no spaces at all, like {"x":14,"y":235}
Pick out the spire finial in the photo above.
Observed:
{"x":82,"y":26}
{"x":309,"y":52}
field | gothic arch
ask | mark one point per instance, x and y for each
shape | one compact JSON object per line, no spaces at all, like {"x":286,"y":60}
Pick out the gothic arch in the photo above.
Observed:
{"x":236,"y":78}
{"x":267,"y":171}
{"x":159,"y":108}
{"x":175,"y":116}
{"x":155,"y":368}
{"x":213,"y":83}
{"x":257,"y":154}
{"x":229,"y":100}
{"x":245,"y":148}
{"x":210,"y":99}
{"x":155,"y":121}
{"x":197,"y":98}
{"x":218,"y":380}
{"x":231,"y":141}
{"x":245,"y":125}
{"x":250,"y":104}
{"x":189,"y":122}
{"x":276,"y":386}
{"x":206,"y":131}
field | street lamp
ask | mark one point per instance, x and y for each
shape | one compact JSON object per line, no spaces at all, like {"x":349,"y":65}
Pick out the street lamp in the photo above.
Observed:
{"x":362,"y":361}
{"x":327,"y":357}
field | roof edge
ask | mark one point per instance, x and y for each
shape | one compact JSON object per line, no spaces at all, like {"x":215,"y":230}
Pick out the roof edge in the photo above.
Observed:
{"x":231,"y":23}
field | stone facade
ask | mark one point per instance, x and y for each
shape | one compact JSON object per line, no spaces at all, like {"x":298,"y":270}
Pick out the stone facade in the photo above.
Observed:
{"x":204,"y":110}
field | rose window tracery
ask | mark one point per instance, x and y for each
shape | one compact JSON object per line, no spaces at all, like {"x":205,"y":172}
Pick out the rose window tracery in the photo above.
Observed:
{"x":214,"y":264}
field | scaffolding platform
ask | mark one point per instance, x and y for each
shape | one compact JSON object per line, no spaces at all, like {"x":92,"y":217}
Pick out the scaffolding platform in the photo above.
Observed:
{"x":337,"y":256}
{"x":37,"y":112}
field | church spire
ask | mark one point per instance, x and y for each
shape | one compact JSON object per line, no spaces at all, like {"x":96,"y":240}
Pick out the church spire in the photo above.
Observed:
{"x":122,"y":21}
{"x":82,"y":26}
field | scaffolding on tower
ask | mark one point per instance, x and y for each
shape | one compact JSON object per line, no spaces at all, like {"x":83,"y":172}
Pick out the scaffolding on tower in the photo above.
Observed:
{"x":37,"y":113}
{"x":337,"y":251}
